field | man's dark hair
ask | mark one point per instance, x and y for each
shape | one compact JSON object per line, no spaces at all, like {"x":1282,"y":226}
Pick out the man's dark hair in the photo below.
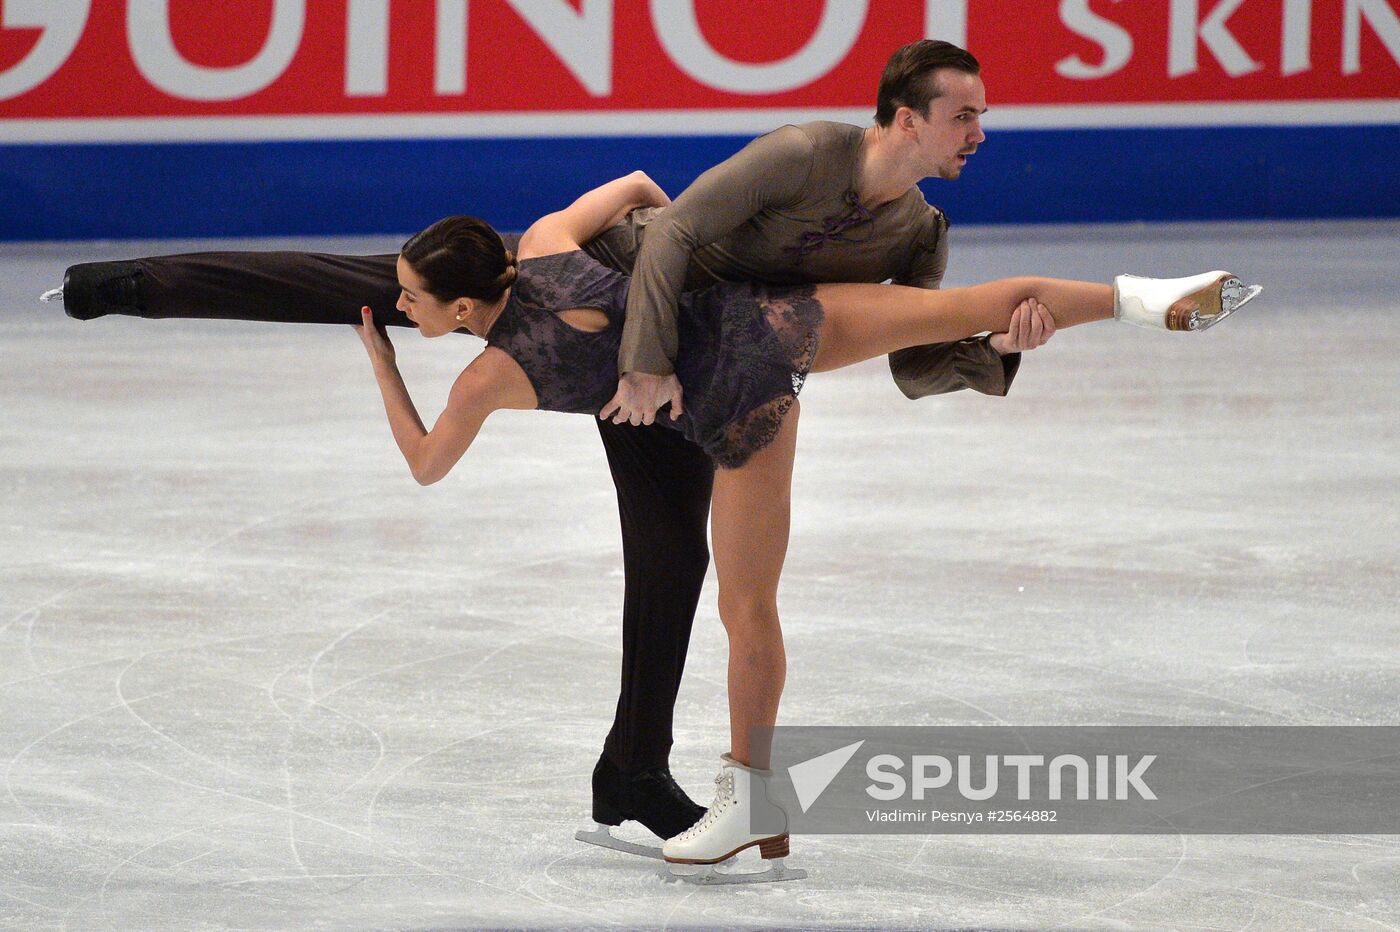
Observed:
{"x":908,"y":79}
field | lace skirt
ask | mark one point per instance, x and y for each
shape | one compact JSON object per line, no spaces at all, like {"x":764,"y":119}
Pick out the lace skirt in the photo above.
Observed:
{"x":744,"y":351}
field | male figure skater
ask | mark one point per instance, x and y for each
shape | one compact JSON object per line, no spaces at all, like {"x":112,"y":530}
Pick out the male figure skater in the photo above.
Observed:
{"x":822,"y":202}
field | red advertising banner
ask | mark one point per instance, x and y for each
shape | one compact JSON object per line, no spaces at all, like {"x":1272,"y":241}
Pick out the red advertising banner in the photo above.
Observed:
{"x":139,"y":59}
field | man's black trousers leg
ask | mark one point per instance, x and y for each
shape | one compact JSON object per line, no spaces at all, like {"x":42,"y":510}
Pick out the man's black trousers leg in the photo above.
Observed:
{"x":292,"y":287}
{"x":663,"y":484}
{"x":280,"y":287}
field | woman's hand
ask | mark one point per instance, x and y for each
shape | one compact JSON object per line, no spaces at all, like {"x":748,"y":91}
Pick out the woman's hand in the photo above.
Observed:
{"x":375,"y":339}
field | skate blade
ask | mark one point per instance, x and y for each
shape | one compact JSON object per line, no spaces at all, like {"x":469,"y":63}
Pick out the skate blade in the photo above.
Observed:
{"x":50,"y":296}
{"x":1234,"y":294}
{"x":601,"y":835}
{"x":706,"y":875}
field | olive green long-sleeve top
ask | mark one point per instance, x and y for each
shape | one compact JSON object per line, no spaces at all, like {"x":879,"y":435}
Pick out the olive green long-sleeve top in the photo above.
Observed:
{"x":783,"y":210}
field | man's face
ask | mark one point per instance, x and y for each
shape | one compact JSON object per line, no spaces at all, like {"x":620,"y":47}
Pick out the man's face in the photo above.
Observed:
{"x":952,"y":128}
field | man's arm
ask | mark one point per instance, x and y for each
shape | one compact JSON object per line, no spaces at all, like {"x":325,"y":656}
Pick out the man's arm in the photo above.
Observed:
{"x":768,"y":172}
{"x":985,"y":364}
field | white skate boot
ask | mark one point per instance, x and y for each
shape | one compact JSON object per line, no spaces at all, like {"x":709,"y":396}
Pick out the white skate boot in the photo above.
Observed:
{"x":724,"y":831}
{"x":1196,"y":302}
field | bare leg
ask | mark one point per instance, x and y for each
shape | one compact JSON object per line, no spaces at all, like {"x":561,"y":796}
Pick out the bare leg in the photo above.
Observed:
{"x":865,"y":321}
{"x":749,"y":524}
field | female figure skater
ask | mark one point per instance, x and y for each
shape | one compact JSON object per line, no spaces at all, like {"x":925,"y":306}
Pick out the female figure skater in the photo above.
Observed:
{"x":552,"y":320}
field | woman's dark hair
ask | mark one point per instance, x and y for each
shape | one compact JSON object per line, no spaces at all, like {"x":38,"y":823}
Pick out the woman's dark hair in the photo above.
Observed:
{"x":908,"y":79}
{"x":461,"y":257}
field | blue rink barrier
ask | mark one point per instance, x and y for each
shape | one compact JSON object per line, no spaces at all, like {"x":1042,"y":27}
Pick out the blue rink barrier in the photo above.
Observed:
{"x":149,"y":190}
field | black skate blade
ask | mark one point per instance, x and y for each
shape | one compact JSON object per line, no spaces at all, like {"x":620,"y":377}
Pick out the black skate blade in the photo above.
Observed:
{"x":601,"y":835}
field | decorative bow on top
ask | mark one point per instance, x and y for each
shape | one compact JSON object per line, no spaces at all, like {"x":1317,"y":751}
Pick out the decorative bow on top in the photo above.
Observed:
{"x":832,"y":228}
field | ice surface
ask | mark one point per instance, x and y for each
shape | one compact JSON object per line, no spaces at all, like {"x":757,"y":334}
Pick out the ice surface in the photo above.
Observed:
{"x":253,"y":676}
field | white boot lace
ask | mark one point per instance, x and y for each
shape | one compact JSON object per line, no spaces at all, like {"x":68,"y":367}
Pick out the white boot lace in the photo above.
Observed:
{"x":724,"y":795}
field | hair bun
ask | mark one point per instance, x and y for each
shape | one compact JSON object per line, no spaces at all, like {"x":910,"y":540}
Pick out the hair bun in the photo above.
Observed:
{"x":454,"y":258}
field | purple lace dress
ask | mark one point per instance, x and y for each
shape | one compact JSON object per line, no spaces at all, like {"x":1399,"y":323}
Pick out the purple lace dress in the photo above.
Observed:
{"x":744,"y":350}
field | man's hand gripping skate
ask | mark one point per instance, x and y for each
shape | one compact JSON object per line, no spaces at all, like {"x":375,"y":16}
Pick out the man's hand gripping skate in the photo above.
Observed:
{"x":640,"y":395}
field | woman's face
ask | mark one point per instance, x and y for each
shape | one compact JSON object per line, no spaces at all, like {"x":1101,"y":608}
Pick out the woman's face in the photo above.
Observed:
{"x":432,"y":317}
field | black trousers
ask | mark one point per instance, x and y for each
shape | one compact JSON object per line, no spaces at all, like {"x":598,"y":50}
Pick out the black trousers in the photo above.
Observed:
{"x":663,"y":480}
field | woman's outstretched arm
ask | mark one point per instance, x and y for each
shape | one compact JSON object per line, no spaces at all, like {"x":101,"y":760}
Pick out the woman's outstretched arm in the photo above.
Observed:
{"x":492,"y":381}
{"x":864,"y":321}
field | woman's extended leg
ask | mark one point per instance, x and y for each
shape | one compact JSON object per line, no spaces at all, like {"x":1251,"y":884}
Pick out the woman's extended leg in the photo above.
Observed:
{"x":749,"y":526}
{"x":865,"y":321}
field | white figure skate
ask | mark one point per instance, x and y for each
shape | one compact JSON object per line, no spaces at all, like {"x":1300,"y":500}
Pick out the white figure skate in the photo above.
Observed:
{"x":1197,"y":302}
{"x":724,"y":832}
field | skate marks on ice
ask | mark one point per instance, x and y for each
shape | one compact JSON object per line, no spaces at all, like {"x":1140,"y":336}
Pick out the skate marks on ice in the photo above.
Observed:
{"x":250,"y":672}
